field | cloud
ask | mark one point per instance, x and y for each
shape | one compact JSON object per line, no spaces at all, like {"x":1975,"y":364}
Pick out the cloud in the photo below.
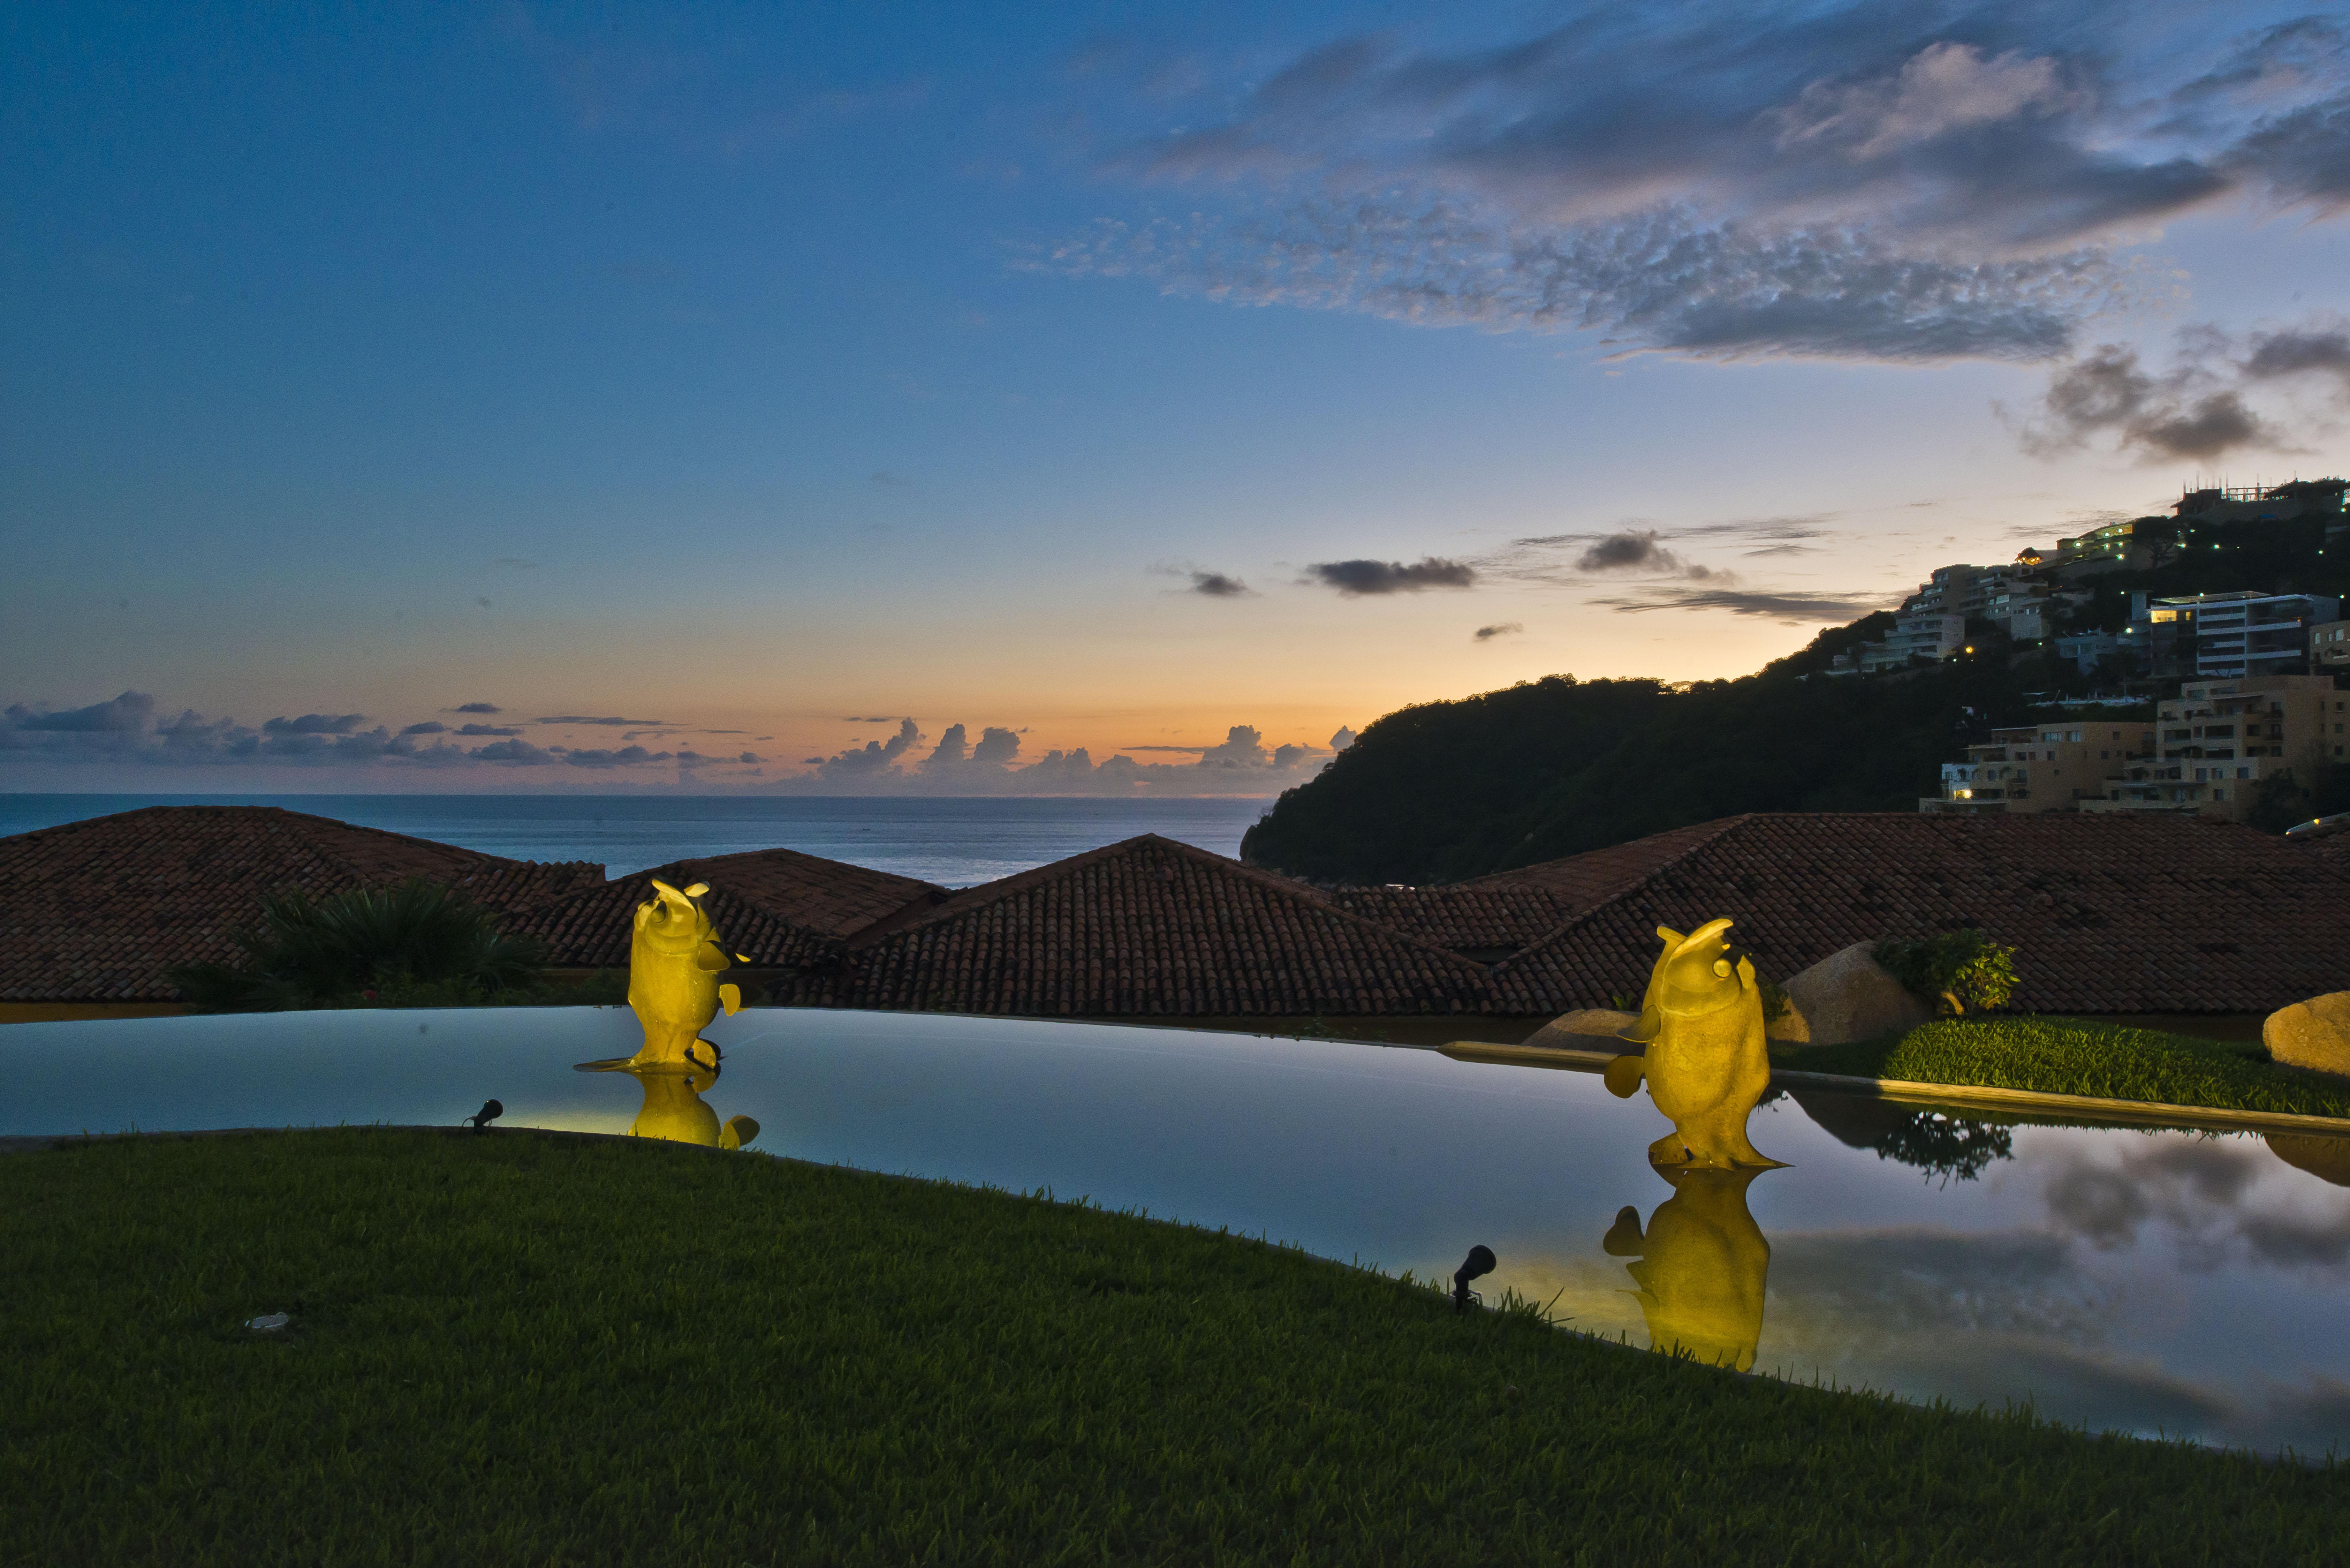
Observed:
{"x":1353,"y":579}
{"x":873,"y":759}
{"x":477,"y":708}
{"x":1784,"y":606}
{"x":1638,"y":551}
{"x":887,"y":477}
{"x":2195,"y":410}
{"x":613,"y":723}
{"x":125,"y":731}
{"x":1875,"y":180}
{"x":1343,"y":739}
{"x":2321,"y":349}
{"x":1503,"y":628}
{"x":314,"y":725}
{"x":1217,"y":585}
{"x":997,"y":747}
{"x":625,"y":757}
{"x":126,"y":715}
{"x":513,"y":754}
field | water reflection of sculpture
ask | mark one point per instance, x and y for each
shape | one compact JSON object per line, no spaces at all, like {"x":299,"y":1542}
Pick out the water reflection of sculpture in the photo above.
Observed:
{"x":1703,"y":1265}
{"x":674,"y":962}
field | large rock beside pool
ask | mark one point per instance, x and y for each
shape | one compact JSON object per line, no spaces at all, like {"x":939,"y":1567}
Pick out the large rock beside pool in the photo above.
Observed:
{"x":1848,"y":996}
{"x":2312,"y":1034}
{"x":2327,"y":1158}
{"x":1587,"y":1029}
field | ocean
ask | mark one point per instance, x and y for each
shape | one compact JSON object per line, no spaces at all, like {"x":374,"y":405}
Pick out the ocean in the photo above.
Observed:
{"x":951,"y":842}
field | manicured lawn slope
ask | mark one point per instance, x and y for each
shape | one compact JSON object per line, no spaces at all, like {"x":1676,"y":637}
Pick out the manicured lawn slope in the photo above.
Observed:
{"x":2075,"y":1056}
{"x":515,"y":1347}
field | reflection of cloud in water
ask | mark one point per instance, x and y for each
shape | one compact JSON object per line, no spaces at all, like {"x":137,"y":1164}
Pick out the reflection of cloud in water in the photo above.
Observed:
{"x":2224,"y":1200}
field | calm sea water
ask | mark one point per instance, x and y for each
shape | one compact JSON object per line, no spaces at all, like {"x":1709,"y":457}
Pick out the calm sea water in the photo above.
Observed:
{"x":954,"y":843}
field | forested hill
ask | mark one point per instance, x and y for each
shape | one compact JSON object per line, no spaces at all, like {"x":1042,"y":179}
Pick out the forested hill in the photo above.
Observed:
{"x":1448,"y":790}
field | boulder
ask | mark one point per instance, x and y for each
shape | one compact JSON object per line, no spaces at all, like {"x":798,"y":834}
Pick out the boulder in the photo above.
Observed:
{"x":1587,"y":1029}
{"x":1848,"y":996}
{"x":2324,"y":1157}
{"x":2312,"y":1034}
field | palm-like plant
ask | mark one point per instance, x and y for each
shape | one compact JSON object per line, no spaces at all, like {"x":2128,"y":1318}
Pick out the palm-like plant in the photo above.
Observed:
{"x":304,"y":951}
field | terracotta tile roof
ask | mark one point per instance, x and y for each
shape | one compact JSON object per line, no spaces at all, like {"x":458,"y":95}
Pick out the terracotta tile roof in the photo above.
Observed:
{"x":1485,"y":921}
{"x":776,"y":907}
{"x":2118,"y":913}
{"x":98,"y":910}
{"x":1583,"y":880}
{"x":1148,"y":928}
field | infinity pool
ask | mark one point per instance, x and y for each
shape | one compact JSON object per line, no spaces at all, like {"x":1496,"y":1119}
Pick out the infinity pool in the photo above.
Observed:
{"x":2190,"y":1285}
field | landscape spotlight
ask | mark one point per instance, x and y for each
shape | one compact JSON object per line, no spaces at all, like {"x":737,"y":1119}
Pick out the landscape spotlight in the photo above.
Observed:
{"x":1481,"y":1263}
{"x":491,"y":1111}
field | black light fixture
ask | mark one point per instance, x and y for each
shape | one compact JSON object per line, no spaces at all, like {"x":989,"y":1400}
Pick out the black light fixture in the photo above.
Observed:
{"x":491,"y":1111}
{"x":1481,"y":1263}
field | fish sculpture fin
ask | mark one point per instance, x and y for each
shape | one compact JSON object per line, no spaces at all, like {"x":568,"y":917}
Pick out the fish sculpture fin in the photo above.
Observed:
{"x":710,"y":959}
{"x":1623,"y":1076}
{"x":729,"y":997}
{"x":738,"y":1132}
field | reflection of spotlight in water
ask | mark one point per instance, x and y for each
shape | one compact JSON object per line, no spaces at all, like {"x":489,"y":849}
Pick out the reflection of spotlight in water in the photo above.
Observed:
{"x":675,"y":1109}
{"x":1702,"y":1266}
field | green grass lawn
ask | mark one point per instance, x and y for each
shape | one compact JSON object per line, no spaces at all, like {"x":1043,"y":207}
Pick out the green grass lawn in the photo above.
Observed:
{"x":514,"y":1347}
{"x":2075,"y":1056}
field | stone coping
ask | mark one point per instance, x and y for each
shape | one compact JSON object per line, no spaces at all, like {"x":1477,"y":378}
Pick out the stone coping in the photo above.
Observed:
{"x":2083,"y":1108}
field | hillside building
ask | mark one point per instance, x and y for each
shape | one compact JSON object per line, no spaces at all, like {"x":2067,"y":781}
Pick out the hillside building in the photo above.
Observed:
{"x":2026,"y":768}
{"x":2296,"y":499}
{"x":2217,"y":738}
{"x":2246,"y":633}
{"x":2329,"y":646}
{"x":1915,"y":635}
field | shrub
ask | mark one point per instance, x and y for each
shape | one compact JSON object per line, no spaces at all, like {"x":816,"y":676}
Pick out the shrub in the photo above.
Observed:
{"x":1959,"y":970}
{"x":416,"y":935}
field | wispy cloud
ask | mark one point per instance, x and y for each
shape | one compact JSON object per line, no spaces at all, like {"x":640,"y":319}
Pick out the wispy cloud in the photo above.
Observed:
{"x":1500,"y":629}
{"x":1779,"y":605}
{"x":1875,"y":180}
{"x":614,"y":722}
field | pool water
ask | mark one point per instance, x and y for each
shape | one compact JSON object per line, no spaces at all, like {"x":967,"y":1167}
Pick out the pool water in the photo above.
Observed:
{"x":2183,"y":1283}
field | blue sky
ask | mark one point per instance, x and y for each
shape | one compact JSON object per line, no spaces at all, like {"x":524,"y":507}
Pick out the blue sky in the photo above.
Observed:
{"x":1105,"y":378}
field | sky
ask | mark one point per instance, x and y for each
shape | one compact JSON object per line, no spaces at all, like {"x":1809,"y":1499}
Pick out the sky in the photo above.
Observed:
{"x":1085,"y":398}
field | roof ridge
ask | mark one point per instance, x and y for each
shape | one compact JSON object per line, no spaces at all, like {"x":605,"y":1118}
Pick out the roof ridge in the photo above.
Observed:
{"x":1727,"y":825}
{"x":1035,"y":876}
{"x":981,"y":895}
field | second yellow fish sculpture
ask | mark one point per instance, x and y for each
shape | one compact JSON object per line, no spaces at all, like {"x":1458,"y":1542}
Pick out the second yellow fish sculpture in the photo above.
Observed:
{"x":674,"y":962}
{"x":1707,"y":1063}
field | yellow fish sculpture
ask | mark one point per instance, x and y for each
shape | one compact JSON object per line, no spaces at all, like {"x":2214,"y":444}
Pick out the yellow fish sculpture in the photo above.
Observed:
{"x":1704,"y":1266}
{"x":1706,"y":1063}
{"x":674,"y":962}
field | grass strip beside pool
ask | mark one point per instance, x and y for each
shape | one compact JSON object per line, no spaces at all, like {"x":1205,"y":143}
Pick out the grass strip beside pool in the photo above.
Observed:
{"x":2075,"y":1056}
{"x":516,"y":1347}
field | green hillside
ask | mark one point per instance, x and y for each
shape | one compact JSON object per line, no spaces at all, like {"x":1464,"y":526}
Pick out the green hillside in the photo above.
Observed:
{"x":1448,"y":790}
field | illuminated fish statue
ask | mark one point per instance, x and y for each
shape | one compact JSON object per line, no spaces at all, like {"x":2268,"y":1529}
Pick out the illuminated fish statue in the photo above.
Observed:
{"x":1706,"y":1063}
{"x":674,"y":962}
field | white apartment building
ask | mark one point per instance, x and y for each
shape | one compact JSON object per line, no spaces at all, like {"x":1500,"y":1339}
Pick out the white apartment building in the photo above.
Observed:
{"x":2246,"y":633}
